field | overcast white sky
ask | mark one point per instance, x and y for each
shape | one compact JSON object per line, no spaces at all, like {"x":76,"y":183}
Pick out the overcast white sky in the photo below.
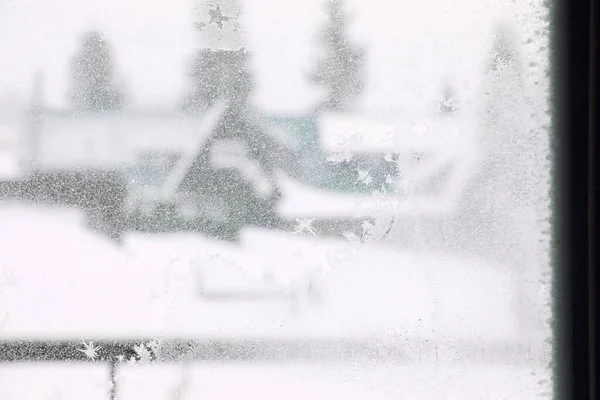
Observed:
{"x":413,"y":46}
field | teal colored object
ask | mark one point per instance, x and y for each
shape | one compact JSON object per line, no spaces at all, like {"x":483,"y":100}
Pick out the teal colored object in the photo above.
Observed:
{"x":317,"y":171}
{"x":302,"y":135}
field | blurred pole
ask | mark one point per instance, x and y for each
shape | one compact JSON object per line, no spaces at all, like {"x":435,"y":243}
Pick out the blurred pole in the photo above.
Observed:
{"x":35,"y":121}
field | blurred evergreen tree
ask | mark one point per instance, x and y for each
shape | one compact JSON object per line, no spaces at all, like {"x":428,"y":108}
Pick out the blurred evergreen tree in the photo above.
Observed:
{"x":92,"y":73}
{"x":340,"y":70}
{"x":218,"y":74}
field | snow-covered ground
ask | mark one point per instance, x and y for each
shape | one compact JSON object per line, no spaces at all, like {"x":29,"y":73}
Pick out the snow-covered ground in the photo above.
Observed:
{"x":60,"y":281}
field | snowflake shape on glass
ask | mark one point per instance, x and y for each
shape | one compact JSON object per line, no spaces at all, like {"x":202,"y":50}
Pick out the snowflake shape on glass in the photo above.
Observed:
{"x":217,"y":17}
{"x":90,"y":350}
{"x":449,"y":106}
{"x":364,"y":177}
{"x":305,"y":225}
{"x":143,"y":353}
{"x":367,"y":227}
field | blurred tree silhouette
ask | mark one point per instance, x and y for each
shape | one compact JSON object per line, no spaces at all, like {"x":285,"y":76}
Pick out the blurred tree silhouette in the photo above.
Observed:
{"x":340,"y":70}
{"x":217,"y":74}
{"x":93,"y":88}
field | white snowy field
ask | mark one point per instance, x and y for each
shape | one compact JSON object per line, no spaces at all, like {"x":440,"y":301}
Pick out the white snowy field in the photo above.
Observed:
{"x":270,"y":382}
{"x":59,"y":281}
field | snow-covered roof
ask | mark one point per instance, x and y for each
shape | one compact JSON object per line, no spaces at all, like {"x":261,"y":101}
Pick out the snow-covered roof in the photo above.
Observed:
{"x":401,"y":132}
{"x":336,"y":132}
{"x":68,"y":138}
